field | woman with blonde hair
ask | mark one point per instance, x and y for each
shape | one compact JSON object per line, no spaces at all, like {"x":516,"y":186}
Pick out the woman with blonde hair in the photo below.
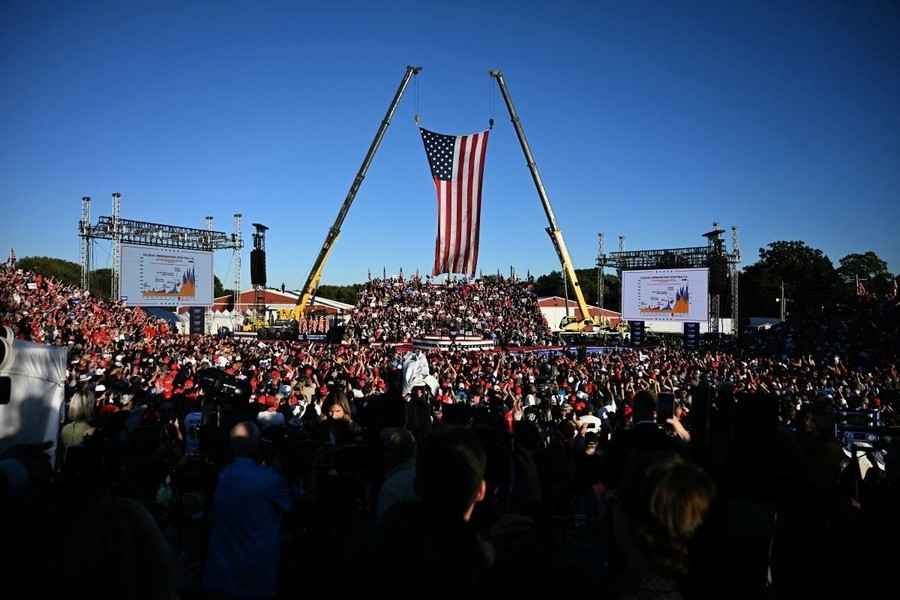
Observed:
{"x":79,"y":413}
{"x":676,"y":496}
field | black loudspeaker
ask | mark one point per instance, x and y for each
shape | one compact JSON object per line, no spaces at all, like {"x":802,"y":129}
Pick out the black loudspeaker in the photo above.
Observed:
{"x":691,"y":336}
{"x":258,"y":267}
{"x":718,"y":275}
{"x":197,"y":320}
{"x":637,"y":332}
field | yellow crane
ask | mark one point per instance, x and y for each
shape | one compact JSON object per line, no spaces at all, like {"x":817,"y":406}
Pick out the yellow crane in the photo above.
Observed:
{"x":315,"y":275}
{"x":570,"y":323}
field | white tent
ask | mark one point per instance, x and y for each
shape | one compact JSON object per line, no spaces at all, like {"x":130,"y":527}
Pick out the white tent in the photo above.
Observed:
{"x":37,"y":374}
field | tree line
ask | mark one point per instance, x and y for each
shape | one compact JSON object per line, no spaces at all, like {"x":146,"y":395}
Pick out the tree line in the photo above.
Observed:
{"x":812,"y":283}
{"x":68,"y":272}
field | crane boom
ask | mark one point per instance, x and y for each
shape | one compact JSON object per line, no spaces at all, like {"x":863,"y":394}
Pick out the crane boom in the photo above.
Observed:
{"x":553,"y":230}
{"x":315,"y":274}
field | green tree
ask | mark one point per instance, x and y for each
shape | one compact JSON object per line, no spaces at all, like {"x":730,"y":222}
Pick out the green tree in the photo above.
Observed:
{"x":551,"y":284}
{"x":68,"y":272}
{"x":100,"y":283}
{"x":342,"y":293}
{"x":218,"y":288}
{"x":63,"y":270}
{"x":864,"y":266}
{"x":810,"y":280}
{"x":870,"y":269}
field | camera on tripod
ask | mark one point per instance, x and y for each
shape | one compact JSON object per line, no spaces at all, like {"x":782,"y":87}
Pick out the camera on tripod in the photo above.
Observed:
{"x":220,"y":387}
{"x":853,"y":426}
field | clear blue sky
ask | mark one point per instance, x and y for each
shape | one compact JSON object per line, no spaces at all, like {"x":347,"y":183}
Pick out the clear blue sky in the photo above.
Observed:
{"x":648,"y":120}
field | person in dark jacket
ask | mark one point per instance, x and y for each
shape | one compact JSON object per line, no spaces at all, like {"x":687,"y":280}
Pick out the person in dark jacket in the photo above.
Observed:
{"x":435,"y":534}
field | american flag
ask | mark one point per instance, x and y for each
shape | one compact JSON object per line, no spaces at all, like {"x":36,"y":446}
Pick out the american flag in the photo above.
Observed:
{"x":457,"y":165}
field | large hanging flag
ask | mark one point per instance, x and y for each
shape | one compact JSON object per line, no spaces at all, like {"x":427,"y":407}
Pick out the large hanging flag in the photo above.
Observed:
{"x":457,"y":165}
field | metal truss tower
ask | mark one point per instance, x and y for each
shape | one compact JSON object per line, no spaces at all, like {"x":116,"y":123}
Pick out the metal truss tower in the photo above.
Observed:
{"x":723,"y":264}
{"x":236,"y":257}
{"x":143,"y":233}
{"x":86,"y":242}
{"x":713,"y":322}
{"x":716,"y":256}
{"x":259,"y":249}
{"x":619,"y":266}
{"x":116,"y":247}
{"x":600,"y":271}
{"x":734,"y":261}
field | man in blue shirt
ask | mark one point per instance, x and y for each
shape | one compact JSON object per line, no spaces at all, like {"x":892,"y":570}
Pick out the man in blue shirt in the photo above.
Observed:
{"x":243,"y":556}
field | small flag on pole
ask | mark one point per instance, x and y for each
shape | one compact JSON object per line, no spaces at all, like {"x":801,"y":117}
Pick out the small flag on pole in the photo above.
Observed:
{"x":457,"y":166}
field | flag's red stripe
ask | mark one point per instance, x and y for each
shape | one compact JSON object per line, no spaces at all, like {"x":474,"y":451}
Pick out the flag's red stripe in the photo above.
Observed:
{"x":470,"y":242}
{"x":445,"y":195}
{"x":442,"y":215}
{"x":456,"y":247}
{"x":473,"y":217}
{"x":437,"y":237}
{"x":478,"y":199}
{"x":464,"y":204}
{"x":458,"y":182}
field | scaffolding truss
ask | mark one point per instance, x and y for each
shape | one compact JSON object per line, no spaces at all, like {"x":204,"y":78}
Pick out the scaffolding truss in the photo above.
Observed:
{"x":144,"y":233}
{"x":681,"y":258}
{"x":686,"y":258}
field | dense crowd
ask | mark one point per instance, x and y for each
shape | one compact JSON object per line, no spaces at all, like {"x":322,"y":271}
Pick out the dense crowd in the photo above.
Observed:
{"x":398,"y":310}
{"x":260,"y":463}
{"x":46,"y":311}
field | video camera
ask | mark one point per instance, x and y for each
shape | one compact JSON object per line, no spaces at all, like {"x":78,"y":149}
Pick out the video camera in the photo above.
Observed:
{"x":220,"y":387}
{"x":852,"y":426}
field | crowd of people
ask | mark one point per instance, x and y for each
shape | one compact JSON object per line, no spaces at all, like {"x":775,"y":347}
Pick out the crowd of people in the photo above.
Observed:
{"x":398,"y":310}
{"x":313,"y":325}
{"x":235,"y":468}
{"x":46,"y":311}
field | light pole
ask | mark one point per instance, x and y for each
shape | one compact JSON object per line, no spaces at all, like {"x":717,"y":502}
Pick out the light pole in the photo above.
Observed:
{"x":782,"y":301}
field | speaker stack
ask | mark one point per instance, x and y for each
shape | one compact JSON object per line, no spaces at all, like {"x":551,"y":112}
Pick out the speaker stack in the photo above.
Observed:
{"x":258,"y":267}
